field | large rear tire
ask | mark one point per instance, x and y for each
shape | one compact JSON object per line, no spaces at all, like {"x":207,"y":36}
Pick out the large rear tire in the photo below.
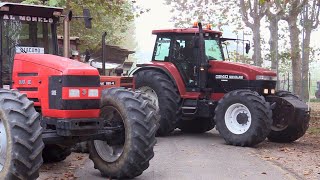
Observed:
{"x":159,"y":87}
{"x":20,"y":137}
{"x":243,"y":118}
{"x":55,"y":153}
{"x":131,"y":152}
{"x":291,"y":131}
{"x":196,"y":126}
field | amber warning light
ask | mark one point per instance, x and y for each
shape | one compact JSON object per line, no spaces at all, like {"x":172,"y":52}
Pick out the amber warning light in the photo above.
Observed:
{"x":195,"y":25}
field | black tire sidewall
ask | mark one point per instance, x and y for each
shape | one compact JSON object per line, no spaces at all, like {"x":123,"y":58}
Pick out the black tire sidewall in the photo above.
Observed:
{"x":168,"y":101}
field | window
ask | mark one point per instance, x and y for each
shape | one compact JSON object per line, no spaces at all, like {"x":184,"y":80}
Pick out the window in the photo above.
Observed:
{"x":162,"y":49}
{"x":18,"y":36}
{"x":213,"y":50}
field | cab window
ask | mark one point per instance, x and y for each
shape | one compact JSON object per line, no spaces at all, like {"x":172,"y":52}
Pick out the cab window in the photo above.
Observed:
{"x":162,"y":49}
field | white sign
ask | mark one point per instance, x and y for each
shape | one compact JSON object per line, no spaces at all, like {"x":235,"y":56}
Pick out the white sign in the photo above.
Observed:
{"x":27,"y":18}
{"x":29,"y":50}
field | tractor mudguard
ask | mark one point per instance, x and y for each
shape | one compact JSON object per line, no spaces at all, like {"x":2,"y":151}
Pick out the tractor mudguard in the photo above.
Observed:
{"x":288,"y":110}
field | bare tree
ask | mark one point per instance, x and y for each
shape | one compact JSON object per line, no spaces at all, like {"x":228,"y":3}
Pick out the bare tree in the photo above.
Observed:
{"x":252,"y":12}
{"x":310,"y":22}
{"x":294,"y":8}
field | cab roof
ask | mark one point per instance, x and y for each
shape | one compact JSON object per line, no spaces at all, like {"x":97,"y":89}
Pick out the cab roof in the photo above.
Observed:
{"x":28,"y":10}
{"x":185,"y":31}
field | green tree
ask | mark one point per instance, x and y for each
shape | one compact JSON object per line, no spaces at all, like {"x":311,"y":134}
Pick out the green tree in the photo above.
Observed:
{"x":113,"y":17}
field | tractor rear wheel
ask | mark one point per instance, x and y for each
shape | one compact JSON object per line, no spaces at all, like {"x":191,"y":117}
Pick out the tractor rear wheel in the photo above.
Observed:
{"x":161,"y":90}
{"x":289,"y":132}
{"x":55,"y":153}
{"x":128,"y":155}
{"x":20,"y":137}
{"x":243,"y":118}
{"x":196,"y":126}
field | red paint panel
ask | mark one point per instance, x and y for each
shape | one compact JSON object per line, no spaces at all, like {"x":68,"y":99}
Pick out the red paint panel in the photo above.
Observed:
{"x":171,"y":68}
{"x":50,"y":65}
{"x":248,"y":71}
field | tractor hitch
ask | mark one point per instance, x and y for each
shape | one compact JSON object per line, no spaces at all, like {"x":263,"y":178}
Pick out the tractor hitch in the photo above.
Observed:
{"x":71,"y":131}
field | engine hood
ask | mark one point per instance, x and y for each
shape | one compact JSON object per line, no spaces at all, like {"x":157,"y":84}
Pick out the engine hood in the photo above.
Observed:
{"x":65,"y":65}
{"x":248,"y":71}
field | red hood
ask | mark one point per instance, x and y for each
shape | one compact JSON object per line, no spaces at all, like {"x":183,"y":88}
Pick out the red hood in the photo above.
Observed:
{"x":65,"y":65}
{"x":248,"y":71}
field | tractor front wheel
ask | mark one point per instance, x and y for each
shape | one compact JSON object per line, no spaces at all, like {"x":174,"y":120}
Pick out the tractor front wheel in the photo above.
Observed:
{"x":243,"y":118}
{"x":128,"y":155}
{"x":20,"y":137}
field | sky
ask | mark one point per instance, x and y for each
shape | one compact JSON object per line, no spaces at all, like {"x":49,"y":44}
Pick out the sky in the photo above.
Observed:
{"x":157,"y":18}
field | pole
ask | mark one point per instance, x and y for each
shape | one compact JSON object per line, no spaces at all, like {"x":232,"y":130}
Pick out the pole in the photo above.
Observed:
{"x":66,"y":34}
{"x":288,"y":81}
{"x":277,"y":59}
{"x":243,"y":47}
{"x":104,"y":53}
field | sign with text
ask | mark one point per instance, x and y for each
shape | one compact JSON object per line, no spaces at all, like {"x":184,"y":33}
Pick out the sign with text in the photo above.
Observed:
{"x":29,"y":50}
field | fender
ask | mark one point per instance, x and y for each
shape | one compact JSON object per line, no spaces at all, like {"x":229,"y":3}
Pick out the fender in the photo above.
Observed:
{"x":168,"y":69}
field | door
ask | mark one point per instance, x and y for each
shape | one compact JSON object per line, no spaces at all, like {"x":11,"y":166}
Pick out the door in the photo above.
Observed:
{"x":184,"y":58}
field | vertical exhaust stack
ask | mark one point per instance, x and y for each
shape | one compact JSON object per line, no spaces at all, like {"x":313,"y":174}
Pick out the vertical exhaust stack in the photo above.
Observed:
{"x":203,"y":61}
{"x":66,"y":34}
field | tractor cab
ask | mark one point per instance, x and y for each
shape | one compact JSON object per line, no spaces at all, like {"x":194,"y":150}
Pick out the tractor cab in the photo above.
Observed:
{"x":181,"y":48}
{"x":198,"y":55}
{"x":25,"y":29}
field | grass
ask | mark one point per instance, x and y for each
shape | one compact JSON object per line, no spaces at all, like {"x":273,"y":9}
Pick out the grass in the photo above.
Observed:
{"x":314,"y":100}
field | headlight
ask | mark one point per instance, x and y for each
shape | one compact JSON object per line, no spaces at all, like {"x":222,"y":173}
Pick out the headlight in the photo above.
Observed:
{"x":74,"y":92}
{"x":93,"y":93}
{"x":267,"y":78}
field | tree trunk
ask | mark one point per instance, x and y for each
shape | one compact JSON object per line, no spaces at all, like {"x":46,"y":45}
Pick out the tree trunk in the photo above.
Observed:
{"x":273,"y":41}
{"x":295,"y":54}
{"x":305,"y":63}
{"x":257,"y":44}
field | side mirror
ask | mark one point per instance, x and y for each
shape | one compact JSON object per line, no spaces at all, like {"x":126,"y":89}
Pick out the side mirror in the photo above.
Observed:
{"x":87,"y":18}
{"x":247,"y":48}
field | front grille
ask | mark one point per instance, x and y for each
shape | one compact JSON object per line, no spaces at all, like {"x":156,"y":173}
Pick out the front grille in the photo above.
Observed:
{"x":55,"y":92}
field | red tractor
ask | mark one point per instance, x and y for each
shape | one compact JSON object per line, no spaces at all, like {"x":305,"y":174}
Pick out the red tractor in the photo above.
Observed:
{"x":49,"y":103}
{"x":197,"y":90}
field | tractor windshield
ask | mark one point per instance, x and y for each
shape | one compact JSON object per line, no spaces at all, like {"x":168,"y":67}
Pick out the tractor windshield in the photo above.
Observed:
{"x":24,"y":34}
{"x":213,"y":49}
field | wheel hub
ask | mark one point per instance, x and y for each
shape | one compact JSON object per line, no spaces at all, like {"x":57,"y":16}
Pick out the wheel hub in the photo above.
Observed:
{"x":238,"y":118}
{"x":110,"y":152}
{"x":242,"y":118}
{"x":151,"y":94}
{"x":3,"y":145}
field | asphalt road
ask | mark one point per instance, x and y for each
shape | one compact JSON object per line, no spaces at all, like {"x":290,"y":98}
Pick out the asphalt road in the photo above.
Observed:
{"x":200,"y":157}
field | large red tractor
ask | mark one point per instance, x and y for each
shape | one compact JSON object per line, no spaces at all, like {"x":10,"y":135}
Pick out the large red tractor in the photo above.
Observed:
{"x":197,"y":90}
{"x":48,"y":103}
